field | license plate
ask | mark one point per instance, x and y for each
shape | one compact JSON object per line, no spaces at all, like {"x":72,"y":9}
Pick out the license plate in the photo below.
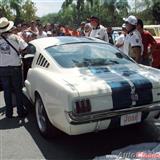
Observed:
{"x":131,"y":118}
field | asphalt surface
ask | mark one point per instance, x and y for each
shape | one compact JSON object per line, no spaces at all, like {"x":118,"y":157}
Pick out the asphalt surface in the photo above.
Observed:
{"x":20,"y":139}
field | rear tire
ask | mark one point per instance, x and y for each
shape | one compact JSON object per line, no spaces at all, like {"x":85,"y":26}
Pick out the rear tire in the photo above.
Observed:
{"x":46,"y":129}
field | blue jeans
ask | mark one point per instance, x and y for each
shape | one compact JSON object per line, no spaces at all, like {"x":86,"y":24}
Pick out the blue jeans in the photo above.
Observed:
{"x":11,"y":79}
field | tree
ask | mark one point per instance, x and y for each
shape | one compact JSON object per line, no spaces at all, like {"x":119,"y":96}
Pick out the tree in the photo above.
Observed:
{"x":17,"y":10}
{"x":66,"y":4}
{"x":110,"y":12}
{"x":156,"y":11}
{"x":91,"y":2}
{"x":5,"y":9}
{"x":78,"y":5}
{"x":50,"y":18}
{"x":148,"y":12}
{"x":80,"y":8}
{"x":123,"y":7}
{"x":66,"y":16}
{"x":28,"y":11}
{"x":16,"y":6}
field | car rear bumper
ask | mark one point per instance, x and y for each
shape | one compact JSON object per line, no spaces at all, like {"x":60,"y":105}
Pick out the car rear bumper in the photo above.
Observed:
{"x":74,"y":119}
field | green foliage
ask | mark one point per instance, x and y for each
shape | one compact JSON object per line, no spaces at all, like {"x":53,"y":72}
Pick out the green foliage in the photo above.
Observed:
{"x":73,"y":12}
{"x":17,"y":10}
{"x":156,"y":11}
{"x":110,"y":12}
{"x":50,"y":18}
{"x":66,"y":15}
{"x":5,"y":9}
{"x":28,"y":11}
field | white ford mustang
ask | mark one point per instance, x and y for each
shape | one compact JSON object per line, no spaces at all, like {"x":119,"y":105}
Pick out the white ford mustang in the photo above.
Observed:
{"x":81,"y":85}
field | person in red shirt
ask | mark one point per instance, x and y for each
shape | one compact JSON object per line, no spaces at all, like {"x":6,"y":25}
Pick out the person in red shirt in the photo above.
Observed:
{"x":67,"y":31}
{"x":148,"y":42}
{"x":75,"y":32}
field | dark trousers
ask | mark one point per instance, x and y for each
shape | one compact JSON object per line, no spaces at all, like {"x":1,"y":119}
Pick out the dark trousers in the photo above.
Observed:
{"x":11,"y":79}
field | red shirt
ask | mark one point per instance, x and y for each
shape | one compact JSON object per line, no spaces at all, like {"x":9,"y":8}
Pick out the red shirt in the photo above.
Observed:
{"x":147,"y":41}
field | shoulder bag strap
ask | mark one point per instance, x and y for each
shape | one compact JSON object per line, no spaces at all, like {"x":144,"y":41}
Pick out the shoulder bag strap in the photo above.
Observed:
{"x":10,"y":45}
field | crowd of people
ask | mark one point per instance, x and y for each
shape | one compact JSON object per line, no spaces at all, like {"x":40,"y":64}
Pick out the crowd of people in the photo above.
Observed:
{"x":133,"y":41}
{"x":90,"y":28}
{"x":136,"y":42}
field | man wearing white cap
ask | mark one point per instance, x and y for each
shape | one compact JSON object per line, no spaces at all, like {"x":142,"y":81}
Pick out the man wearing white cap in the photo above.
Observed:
{"x":10,"y":67}
{"x":133,"y":43}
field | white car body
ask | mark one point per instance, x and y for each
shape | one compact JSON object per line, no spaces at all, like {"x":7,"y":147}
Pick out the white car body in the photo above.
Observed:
{"x":60,"y":88}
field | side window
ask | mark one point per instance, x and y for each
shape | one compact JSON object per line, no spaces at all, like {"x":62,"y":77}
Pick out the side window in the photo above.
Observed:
{"x":31,"y":49}
{"x":28,"y":59}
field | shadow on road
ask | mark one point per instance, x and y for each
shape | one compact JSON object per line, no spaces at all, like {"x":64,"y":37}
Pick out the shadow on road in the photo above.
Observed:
{"x":83,"y":146}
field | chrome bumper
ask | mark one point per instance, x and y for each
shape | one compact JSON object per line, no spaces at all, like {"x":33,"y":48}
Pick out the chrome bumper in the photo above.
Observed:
{"x":76,"y":119}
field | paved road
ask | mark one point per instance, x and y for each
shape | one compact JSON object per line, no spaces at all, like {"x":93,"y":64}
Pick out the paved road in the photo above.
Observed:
{"x":21,"y":140}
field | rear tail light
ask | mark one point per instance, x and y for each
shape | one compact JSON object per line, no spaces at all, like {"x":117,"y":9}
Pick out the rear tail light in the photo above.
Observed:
{"x":82,"y":106}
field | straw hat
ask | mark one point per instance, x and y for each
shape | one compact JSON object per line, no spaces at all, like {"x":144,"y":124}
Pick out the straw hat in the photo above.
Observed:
{"x":5,"y":25}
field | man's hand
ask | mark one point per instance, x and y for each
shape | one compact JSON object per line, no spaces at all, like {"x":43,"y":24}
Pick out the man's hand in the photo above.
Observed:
{"x":136,"y":51}
{"x":24,"y":52}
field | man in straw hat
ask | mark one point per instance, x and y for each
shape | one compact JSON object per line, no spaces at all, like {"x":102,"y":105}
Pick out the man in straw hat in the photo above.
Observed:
{"x":10,"y":67}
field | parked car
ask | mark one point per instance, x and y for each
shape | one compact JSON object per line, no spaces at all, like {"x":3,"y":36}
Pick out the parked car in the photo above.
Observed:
{"x":81,"y":85}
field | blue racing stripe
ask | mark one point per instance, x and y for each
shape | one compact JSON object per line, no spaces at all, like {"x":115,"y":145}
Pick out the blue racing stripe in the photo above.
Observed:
{"x":143,"y":87}
{"x":121,"y":94}
{"x":121,"y":89}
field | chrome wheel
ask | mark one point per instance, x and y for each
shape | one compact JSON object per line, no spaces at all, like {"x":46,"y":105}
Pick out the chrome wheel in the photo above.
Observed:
{"x":41,"y":115}
{"x":45,"y":127}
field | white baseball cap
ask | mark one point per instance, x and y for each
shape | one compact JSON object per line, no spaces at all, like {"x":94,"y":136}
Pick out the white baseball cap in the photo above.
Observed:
{"x":131,"y":20}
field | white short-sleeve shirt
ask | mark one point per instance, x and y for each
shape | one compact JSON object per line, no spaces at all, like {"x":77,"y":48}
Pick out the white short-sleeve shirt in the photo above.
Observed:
{"x":120,"y":40}
{"x":100,"y":33}
{"x":8,"y":56}
{"x":133,"y":39}
{"x":44,"y":34}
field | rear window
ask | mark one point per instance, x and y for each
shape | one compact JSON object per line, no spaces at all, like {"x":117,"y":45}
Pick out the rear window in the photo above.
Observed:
{"x":87,"y":54}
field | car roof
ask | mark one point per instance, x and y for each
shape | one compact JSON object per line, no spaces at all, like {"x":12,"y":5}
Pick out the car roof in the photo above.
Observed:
{"x":51,"y":41}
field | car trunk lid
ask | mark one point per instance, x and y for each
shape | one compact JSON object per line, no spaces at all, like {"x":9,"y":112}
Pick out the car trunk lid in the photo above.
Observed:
{"x":115,"y":87}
